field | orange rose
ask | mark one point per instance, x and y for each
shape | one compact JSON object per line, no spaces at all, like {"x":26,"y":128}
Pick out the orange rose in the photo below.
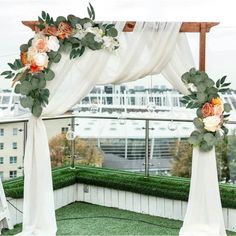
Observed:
{"x":50,"y":30}
{"x":207,"y":109}
{"x":34,"y":68}
{"x":23,"y":58}
{"x":64,"y":30}
{"x":216,"y":101}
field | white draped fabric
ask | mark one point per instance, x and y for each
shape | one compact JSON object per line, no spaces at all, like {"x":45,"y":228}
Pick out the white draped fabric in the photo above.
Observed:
{"x":151,"y":49}
{"x":204,"y":212}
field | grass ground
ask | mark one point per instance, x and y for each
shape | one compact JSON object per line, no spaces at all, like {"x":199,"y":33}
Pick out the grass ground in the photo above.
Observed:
{"x":87,"y":219}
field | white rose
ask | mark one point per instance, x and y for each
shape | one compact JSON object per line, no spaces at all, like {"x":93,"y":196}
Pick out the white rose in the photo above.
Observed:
{"x":87,"y":25}
{"x":192,"y":87}
{"x":212,"y":123}
{"x":41,"y":59}
{"x":109,"y":43}
{"x":53,"y":43}
{"x":31,"y":53}
{"x":95,"y":30}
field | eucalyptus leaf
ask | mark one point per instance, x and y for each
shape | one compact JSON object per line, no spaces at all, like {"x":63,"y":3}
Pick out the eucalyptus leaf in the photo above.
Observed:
{"x":24,"y":48}
{"x":227,"y":107}
{"x":49,"y":75}
{"x":201,"y":97}
{"x":204,"y":147}
{"x":17,"y":89}
{"x":210,"y":139}
{"x":42,"y":83}
{"x":25,"y":88}
{"x":37,"y":110}
{"x":27,"y":102}
{"x":112,"y":32}
{"x":198,"y":123}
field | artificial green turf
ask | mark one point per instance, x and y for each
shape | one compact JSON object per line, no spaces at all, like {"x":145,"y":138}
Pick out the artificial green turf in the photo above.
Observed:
{"x":87,"y":219}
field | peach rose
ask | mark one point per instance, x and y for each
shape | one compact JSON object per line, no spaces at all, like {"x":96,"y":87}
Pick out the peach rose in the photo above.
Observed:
{"x":207,"y":109}
{"x":218,"y":110}
{"x":64,"y":30}
{"x":40,"y":43}
{"x":212,"y":123}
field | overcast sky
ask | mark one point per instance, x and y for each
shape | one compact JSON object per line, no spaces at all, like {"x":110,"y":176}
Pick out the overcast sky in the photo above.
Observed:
{"x":221,"y":42}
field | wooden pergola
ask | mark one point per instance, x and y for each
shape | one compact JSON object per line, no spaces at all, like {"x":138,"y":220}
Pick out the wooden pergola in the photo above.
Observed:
{"x":187,"y":27}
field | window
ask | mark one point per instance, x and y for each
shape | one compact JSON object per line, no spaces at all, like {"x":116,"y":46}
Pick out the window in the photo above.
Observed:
{"x":14,"y":131}
{"x":1,"y":175}
{"x":1,"y":132}
{"x":13,"y":160}
{"x":13,"y":174}
{"x":14,"y":145}
{"x":1,"y":146}
{"x":1,"y":160}
{"x":64,"y":130}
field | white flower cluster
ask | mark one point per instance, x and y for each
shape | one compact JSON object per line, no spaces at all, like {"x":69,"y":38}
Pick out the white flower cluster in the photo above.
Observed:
{"x":109,"y":43}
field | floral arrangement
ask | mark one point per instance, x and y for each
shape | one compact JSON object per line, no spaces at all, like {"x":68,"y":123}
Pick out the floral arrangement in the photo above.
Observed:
{"x":73,"y":35}
{"x":211,"y":111}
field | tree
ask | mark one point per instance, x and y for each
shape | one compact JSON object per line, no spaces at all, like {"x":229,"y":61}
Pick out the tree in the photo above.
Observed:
{"x":86,"y":152}
{"x":182,"y":159}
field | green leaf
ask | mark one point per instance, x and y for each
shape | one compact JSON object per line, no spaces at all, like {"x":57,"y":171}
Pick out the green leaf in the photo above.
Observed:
{"x":212,"y":90}
{"x":57,"y":58}
{"x":112,"y":32}
{"x":209,"y":83}
{"x":192,"y":71}
{"x":204,"y":147}
{"x":225,"y":85}
{"x":92,"y":12}
{"x":227,"y":107}
{"x":34,"y":83}
{"x":13,"y":67}
{"x":223,"y":90}
{"x":201,"y":87}
{"x":201,"y":97}
{"x":37,"y":110}
{"x":25,"y":88}
{"x":195,"y":138}
{"x":42,"y":83}
{"x":199,"y":112}
{"x":226,"y":130}
{"x":49,"y":75}
{"x":218,"y":83}
{"x":185,"y":77}
{"x":17,"y":89}
{"x":198,"y":123}
{"x":6,"y":72}
{"x":24,"y":48}
{"x":223,"y":79}
{"x":44,"y":15}
{"x":210,"y":139}
{"x":27,"y":102}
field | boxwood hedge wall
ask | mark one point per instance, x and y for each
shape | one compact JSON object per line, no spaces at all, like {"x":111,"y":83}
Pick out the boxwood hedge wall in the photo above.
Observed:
{"x":161,"y":186}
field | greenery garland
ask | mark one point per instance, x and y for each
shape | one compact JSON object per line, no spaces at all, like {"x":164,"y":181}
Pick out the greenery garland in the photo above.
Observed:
{"x":211,"y":117}
{"x":74,"y":35}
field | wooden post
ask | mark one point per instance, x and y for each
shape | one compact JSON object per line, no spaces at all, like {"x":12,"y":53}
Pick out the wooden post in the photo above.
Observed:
{"x":202,"y":46}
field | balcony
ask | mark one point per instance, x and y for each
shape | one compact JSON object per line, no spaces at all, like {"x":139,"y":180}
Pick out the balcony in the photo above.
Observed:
{"x":130,"y":188}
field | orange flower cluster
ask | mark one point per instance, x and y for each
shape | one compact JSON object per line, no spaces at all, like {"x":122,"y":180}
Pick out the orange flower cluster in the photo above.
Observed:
{"x":62,"y":31}
{"x":213,"y":108}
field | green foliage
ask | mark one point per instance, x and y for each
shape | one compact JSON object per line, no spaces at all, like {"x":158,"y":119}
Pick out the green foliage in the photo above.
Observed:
{"x":202,"y":91}
{"x":29,"y":82}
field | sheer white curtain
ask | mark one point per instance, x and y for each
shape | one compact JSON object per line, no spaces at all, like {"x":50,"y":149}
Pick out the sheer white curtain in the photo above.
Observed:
{"x":204,"y":215}
{"x":146,"y":50}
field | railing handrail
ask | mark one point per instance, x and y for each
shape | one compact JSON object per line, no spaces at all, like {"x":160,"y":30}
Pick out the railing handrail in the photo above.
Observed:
{"x":110,"y":117}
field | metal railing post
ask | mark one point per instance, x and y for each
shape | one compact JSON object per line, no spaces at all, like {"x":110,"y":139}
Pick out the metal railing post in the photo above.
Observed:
{"x":72,"y":144}
{"x":146,"y":148}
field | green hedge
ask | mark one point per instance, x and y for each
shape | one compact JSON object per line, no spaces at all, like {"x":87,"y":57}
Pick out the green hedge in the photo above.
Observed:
{"x":161,"y":186}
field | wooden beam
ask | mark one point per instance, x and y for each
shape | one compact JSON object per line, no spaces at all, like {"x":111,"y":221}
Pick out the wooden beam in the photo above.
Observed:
{"x":186,"y":27}
{"x":190,"y":27}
